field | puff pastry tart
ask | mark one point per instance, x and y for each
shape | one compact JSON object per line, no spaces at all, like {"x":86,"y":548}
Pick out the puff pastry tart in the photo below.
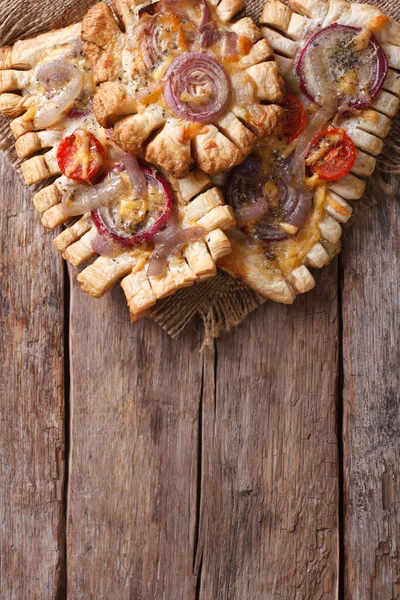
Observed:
{"x":136,"y":222}
{"x":340,"y":62}
{"x":182,"y":84}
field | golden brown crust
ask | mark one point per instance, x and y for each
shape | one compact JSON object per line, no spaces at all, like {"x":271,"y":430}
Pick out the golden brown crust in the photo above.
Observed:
{"x":203,"y":204}
{"x":268,"y":80}
{"x":12,"y":105}
{"x":101,"y":35}
{"x":196,"y":182}
{"x":126,"y":11}
{"x":73,"y":233}
{"x":247,"y":27}
{"x":46,"y":198}
{"x":277,"y":14}
{"x":234,"y":129}
{"x":168,"y":148}
{"x":104,"y":273}
{"x":100,"y":27}
{"x":261,"y":51}
{"x":131,"y":132}
{"x":168,"y":152}
{"x":6,"y":57}
{"x":11,"y":80}
{"x":36,"y":169}
{"x":254,"y":270}
{"x":104,"y":64}
{"x":81,"y":250}
{"x":110,"y":102}
{"x":26,"y":53}
{"x":213,"y":151}
{"x":264,"y":120}
{"x":218,"y":244}
{"x":227,"y":9}
{"x":20,"y":126}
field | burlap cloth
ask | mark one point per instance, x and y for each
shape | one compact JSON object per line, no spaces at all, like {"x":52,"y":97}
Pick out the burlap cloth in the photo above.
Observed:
{"x":221,"y":302}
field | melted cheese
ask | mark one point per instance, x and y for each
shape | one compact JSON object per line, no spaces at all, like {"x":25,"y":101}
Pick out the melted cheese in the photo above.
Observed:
{"x":291,"y":253}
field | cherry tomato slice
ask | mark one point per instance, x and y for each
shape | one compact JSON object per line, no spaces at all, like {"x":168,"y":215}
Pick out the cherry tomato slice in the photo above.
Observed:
{"x":332,"y":154}
{"x":80,"y":156}
{"x":295,"y":119}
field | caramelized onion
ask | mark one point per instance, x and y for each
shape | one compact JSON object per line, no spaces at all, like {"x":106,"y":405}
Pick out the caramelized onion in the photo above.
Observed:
{"x":84,"y":198}
{"x":231,"y":44}
{"x":197,"y":87}
{"x":57,"y":71}
{"x":168,"y":243}
{"x":246,"y":194}
{"x":252,"y":212}
{"x":136,"y":175}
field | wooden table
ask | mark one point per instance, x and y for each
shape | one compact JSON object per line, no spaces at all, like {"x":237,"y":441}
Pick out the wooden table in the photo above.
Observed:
{"x":134,"y":467}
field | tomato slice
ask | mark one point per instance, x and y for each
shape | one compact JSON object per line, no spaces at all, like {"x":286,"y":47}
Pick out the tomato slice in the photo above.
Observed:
{"x":332,"y":154}
{"x":80,"y":156}
{"x":295,"y":119}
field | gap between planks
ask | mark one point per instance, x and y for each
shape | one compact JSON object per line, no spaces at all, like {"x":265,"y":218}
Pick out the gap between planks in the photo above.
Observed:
{"x":340,"y":440}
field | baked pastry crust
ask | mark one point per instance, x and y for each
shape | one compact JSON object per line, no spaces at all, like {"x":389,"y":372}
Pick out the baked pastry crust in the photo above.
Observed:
{"x":152,"y":128}
{"x":287,"y":28}
{"x":198,"y":203}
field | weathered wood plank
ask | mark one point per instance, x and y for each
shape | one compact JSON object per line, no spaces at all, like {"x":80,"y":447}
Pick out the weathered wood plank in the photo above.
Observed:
{"x":135,"y":397}
{"x":371,"y":365}
{"x":269,"y":493}
{"x":32,"y":401}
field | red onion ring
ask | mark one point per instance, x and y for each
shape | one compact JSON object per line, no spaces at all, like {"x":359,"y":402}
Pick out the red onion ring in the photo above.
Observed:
{"x":136,"y":175}
{"x":85,"y":198}
{"x":377,"y":61}
{"x":195,"y":74}
{"x":61,"y":100}
{"x":245,"y":192}
{"x":103,"y":218}
{"x":252,"y":212}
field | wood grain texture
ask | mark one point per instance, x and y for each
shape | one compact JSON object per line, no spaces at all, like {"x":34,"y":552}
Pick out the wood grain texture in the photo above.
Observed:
{"x":269,"y":493}
{"x":371,"y":366}
{"x":132,"y":507}
{"x":32,"y":401}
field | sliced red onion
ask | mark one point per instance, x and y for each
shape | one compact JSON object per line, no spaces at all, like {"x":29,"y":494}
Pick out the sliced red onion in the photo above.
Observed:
{"x":209,"y":35}
{"x":136,"y":175}
{"x":144,"y":47}
{"x":246,"y":193}
{"x":150,"y":46}
{"x":330,"y":54}
{"x":104,"y":218}
{"x":102,"y":245}
{"x":231,"y":42}
{"x":58,"y":71}
{"x":252,"y":212}
{"x":85,"y":198}
{"x":79,"y":113}
{"x":168,"y":243}
{"x":206,"y":16}
{"x":197,"y":88}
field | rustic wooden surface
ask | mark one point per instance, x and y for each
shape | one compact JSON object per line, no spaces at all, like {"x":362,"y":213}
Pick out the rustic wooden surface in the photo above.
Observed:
{"x":32,"y":532}
{"x":264,"y":469}
{"x":371,"y":394}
